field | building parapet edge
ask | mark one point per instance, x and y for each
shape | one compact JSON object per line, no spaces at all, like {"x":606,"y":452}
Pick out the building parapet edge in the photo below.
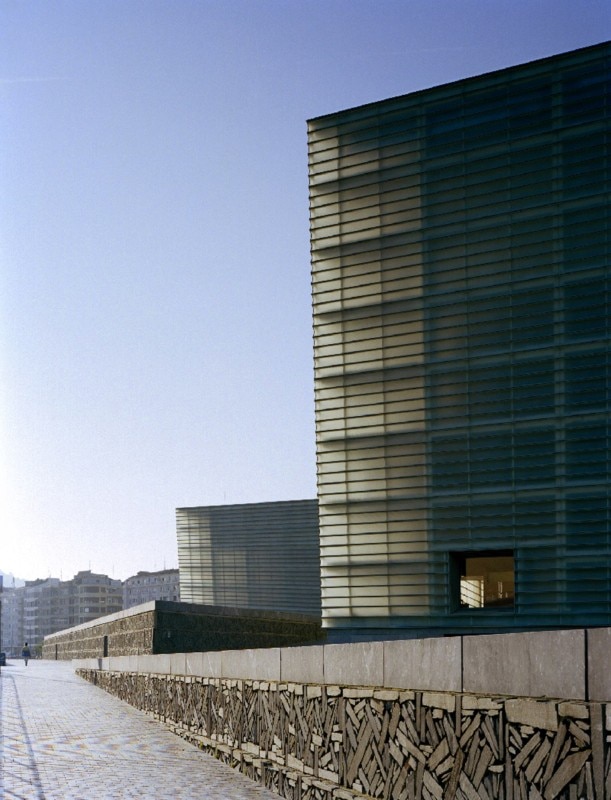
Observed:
{"x":185,"y":608}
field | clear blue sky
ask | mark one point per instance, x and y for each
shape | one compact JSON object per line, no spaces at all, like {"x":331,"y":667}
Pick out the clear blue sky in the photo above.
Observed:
{"x":155,"y":336}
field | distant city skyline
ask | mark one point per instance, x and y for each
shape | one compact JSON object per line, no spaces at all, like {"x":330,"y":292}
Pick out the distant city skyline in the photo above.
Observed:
{"x":155,"y":318}
{"x":14,"y":581}
{"x":8,"y":578}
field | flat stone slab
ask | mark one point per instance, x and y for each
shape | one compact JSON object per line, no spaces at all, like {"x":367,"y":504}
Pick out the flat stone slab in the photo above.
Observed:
{"x":535,"y":664}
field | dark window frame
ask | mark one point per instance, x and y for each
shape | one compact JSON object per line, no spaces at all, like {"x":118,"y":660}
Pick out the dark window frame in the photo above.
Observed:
{"x":457,"y":570}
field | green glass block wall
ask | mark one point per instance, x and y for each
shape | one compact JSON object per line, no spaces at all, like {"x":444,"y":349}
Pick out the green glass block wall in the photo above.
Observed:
{"x":252,"y":555}
{"x":461,"y":284}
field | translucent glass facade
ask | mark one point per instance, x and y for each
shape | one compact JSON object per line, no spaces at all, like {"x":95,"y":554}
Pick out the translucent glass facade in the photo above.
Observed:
{"x":252,"y":555}
{"x":461,"y":289}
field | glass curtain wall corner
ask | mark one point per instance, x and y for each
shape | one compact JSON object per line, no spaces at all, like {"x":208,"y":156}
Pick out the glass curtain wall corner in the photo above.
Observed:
{"x":461,"y":281}
{"x":254,"y":555}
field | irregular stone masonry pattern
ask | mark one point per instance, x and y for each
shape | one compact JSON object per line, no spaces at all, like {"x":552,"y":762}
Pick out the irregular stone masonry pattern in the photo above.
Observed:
{"x":318,"y":742}
{"x":130,"y":635}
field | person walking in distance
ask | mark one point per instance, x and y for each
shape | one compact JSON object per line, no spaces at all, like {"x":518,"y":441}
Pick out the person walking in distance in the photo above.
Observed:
{"x":25,"y":653}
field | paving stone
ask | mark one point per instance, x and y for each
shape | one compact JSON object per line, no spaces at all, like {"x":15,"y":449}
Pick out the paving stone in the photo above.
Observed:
{"x":63,"y":739}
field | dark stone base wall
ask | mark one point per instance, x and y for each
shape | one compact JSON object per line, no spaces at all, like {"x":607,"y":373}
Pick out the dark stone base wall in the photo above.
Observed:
{"x":323,"y":742}
{"x":166,"y":627}
{"x":214,"y":629}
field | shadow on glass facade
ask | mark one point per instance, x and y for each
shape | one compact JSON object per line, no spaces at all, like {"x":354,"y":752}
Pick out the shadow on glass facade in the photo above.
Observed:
{"x":461,"y":278}
{"x":253,"y":555}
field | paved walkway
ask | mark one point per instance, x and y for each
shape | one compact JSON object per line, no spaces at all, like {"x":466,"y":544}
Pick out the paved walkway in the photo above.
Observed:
{"x":62,"y":738}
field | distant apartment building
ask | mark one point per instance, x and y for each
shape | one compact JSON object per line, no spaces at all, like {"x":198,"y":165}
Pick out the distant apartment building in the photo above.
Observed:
{"x":461,"y":273}
{"x":147,"y":586}
{"x":44,"y":606}
{"x":254,"y":555}
{"x":12,"y":620}
{"x":40,"y":605}
{"x":93,"y":595}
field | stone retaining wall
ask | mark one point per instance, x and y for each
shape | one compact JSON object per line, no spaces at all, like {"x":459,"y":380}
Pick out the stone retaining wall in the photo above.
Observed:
{"x":472,"y":718}
{"x":130,"y":634}
{"x":324,"y":742}
{"x":163,"y":627}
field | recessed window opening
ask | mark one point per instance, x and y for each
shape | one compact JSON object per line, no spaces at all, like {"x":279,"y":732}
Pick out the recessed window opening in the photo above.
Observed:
{"x":483,"y":579}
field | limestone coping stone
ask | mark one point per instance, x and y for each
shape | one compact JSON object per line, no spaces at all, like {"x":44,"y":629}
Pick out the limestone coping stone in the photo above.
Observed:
{"x":423,"y":664}
{"x":160,"y":664}
{"x":537,"y":664}
{"x":263,"y":665}
{"x":204,"y":665}
{"x":354,"y":664}
{"x":117,"y":663}
{"x":178,"y":664}
{"x":599,"y":661}
{"x":540,"y":664}
{"x":302,"y":664}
